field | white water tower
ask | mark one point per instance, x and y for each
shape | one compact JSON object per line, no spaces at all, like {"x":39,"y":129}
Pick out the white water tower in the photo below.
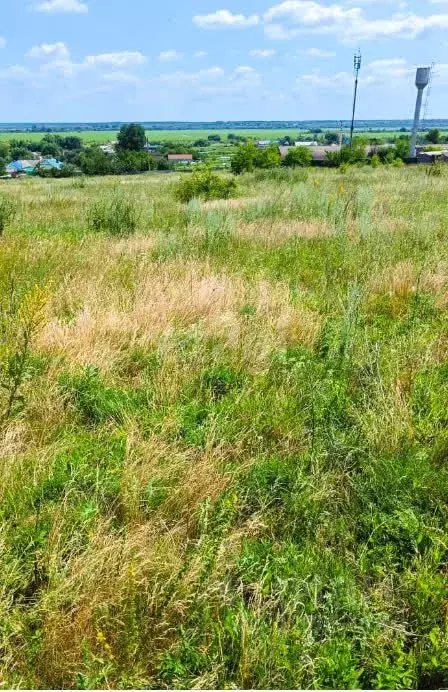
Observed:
{"x":422,"y":78}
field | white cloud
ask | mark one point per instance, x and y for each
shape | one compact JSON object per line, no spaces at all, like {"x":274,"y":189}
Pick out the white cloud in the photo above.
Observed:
{"x":398,"y":26}
{"x":318,"y":53}
{"x":291,"y":18}
{"x":46,"y":50}
{"x":120,"y":59}
{"x":181,"y":78}
{"x":244,"y":70}
{"x":200,"y":54}
{"x":15,"y":72}
{"x":223,"y":19}
{"x":75,"y":6}
{"x":262,"y":53}
{"x":309,"y":13}
{"x":341,"y":80}
{"x":2,"y":42}
{"x":120,"y":76}
{"x":63,"y":68}
{"x":387,"y":73}
{"x":170,"y":56}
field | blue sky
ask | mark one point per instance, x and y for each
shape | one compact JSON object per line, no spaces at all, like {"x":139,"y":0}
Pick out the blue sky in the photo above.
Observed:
{"x":91,"y":60}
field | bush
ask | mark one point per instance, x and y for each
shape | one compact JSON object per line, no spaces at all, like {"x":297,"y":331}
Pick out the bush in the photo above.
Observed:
{"x":126,"y":161}
{"x":96,"y":162}
{"x":268,"y":157}
{"x":375,"y":161}
{"x":436,"y":169}
{"x":397,"y":163}
{"x":117,"y":217}
{"x":298,"y":156}
{"x":244,"y":157}
{"x":206,"y":185}
{"x":433,"y":136}
{"x":68,"y":170}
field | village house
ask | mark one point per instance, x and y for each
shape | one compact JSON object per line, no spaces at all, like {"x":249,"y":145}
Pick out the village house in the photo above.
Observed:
{"x":22,"y":167}
{"x":180,"y":158}
{"x":432,"y":156}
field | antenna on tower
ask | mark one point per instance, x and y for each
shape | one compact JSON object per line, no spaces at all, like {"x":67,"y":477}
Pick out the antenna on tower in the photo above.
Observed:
{"x":357,"y":60}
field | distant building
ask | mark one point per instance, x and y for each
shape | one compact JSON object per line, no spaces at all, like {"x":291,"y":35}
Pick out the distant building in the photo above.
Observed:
{"x":305,"y":144}
{"x":263,"y":143}
{"x":319,"y":152}
{"x":180,"y":158}
{"x":22,"y":167}
{"x":432,"y":156}
{"x":50,"y":164}
{"x":107,"y":148}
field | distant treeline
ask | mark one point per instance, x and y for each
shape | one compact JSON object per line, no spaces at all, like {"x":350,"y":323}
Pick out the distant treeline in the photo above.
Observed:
{"x":376,"y":125}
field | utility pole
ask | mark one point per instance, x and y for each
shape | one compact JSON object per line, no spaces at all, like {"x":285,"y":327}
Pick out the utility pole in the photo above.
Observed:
{"x":357,"y":66}
{"x":341,"y":133}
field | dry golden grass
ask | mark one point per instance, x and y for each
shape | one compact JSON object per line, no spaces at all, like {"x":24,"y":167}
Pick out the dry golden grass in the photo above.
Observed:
{"x":273,"y":233}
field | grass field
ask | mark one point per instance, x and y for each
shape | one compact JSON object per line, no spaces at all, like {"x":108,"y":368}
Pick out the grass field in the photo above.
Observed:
{"x":186,"y":136}
{"x":224,"y":433}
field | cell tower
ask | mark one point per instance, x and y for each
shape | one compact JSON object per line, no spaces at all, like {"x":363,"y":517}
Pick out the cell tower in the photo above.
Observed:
{"x":356,"y":66}
{"x":421,"y":82}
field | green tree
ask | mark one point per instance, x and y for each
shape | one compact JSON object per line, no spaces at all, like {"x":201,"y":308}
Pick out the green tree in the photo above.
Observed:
{"x":50,"y":149}
{"x":356,"y":153}
{"x":21,"y":153}
{"x":331,"y":137}
{"x":4,"y":150}
{"x":93,"y":161}
{"x":268,"y":157}
{"x":71,"y":143}
{"x":131,"y":161}
{"x":433,"y":136}
{"x":244,"y":158}
{"x":401,"y":148}
{"x":131,"y":137}
{"x":298,"y":156}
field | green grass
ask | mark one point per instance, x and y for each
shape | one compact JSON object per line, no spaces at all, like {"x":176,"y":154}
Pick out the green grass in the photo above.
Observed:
{"x":225,"y":465}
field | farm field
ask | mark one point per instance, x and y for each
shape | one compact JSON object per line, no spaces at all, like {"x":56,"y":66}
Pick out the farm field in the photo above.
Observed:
{"x":224,"y":432}
{"x":182,"y":136}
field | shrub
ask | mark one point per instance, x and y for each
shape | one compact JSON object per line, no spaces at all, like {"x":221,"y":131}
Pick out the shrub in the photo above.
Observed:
{"x":206,"y":185}
{"x":117,"y":216}
{"x":298,"y":156}
{"x":375,"y":161}
{"x":268,"y":157}
{"x":397,"y":163}
{"x":437,"y":169}
{"x":244,"y":157}
{"x":333,"y":159}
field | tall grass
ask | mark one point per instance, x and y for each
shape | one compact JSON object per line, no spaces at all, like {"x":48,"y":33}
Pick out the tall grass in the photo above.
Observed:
{"x":224,"y":465}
